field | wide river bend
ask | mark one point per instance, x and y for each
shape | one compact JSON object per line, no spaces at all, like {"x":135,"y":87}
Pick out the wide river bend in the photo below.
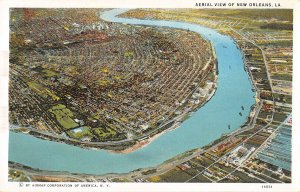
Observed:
{"x":204,"y":126}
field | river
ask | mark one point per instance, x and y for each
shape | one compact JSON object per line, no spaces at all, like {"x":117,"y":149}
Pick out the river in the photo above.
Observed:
{"x":204,"y":126}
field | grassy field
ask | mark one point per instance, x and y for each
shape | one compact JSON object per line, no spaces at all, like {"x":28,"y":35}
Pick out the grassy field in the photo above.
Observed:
{"x":64,"y":116}
{"x":104,"y":133}
{"x":175,"y":175}
{"x":49,"y":73}
{"x":283,"y":98}
{"x":39,"y":89}
{"x":286,"y":77}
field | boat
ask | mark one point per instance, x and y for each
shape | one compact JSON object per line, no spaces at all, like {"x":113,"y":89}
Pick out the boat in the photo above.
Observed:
{"x":243,"y":108}
{"x":240,"y":113}
{"x":228,"y":126}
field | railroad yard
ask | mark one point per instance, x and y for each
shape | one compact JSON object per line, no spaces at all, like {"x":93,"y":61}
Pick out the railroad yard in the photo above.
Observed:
{"x":258,"y":152}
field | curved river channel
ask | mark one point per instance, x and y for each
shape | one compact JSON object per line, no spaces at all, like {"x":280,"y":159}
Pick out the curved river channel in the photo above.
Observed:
{"x":204,"y":126}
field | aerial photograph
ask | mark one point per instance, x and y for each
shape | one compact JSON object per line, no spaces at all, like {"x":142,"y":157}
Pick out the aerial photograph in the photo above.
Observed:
{"x":150,"y":95}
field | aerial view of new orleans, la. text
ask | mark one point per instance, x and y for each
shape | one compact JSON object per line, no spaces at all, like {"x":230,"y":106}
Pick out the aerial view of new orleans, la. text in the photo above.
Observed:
{"x":150,"y":95}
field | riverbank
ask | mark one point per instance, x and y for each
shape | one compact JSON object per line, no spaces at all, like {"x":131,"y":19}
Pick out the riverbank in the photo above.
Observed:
{"x":164,"y":94}
{"x":205,"y":125}
{"x":186,"y":108}
{"x":133,"y":176}
{"x":37,"y":175}
{"x":139,"y":144}
{"x":122,"y":146}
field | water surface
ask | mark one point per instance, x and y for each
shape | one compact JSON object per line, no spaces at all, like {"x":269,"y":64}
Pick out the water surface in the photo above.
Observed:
{"x":204,"y":126}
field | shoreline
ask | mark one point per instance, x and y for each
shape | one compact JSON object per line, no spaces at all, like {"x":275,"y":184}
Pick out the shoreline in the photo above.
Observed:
{"x":162,"y":167}
{"x":130,"y":145}
{"x":139,"y":174}
{"x":143,"y":143}
{"x":126,"y":146}
{"x":139,"y":144}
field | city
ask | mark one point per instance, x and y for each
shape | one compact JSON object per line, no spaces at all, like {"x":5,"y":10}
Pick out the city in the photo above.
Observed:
{"x":159,"y":72}
{"x":86,"y":96}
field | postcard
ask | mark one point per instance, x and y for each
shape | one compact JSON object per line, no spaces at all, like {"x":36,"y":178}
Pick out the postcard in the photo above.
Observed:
{"x":149,"y":96}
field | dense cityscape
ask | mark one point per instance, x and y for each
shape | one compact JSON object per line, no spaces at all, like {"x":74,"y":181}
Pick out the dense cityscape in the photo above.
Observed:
{"x":92,"y":83}
{"x":64,"y":89}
